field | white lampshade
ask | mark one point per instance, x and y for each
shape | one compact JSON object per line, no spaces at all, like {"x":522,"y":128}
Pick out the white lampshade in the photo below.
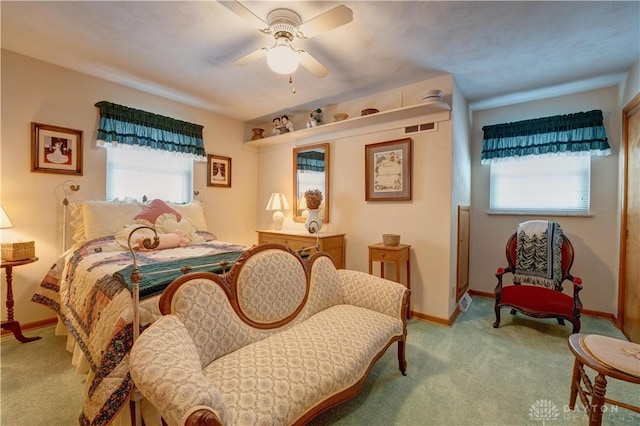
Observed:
{"x":302,"y":202}
{"x":281,"y":58}
{"x":5,"y":222}
{"x":277,"y":202}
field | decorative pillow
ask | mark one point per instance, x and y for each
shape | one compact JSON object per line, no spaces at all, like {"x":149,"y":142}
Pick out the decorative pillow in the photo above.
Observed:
{"x":193,"y":211}
{"x":168,"y":223}
{"x":122,"y":236}
{"x":171,"y":240}
{"x":156,"y":208}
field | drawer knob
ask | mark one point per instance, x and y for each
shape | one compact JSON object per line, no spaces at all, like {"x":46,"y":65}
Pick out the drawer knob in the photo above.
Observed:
{"x":384,"y":255}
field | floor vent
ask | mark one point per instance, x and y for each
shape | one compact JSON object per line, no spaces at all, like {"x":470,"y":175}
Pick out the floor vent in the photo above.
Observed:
{"x":426,"y":127}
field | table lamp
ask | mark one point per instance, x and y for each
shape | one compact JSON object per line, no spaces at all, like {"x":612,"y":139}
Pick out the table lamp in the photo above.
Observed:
{"x":277,"y":203}
{"x":12,"y":251}
{"x":5,"y":222}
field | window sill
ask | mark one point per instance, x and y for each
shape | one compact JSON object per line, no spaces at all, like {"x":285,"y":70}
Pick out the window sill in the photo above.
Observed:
{"x":537,"y":213}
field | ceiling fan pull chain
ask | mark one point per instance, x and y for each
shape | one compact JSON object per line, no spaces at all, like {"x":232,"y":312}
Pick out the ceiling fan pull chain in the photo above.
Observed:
{"x":293,"y":89}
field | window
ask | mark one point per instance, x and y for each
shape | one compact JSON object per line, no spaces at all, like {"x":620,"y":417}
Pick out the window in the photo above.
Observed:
{"x":543,"y":165}
{"x":155,"y":174}
{"x":545,"y":184}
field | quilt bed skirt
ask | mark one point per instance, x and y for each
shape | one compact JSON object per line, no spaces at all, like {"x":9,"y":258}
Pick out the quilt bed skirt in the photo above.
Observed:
{"x":150,"y":415}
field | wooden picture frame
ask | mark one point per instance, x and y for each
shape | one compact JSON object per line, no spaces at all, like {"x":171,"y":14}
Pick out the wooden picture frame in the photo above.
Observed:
{"x":218,"y":171}
{"x":56,"y":149}
{"x":388,"y":171}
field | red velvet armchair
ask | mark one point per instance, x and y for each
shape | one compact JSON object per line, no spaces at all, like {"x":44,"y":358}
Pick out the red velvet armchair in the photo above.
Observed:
{"x":537,"y":301}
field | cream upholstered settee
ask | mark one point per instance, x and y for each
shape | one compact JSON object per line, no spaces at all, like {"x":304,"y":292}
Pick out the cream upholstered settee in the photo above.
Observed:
{"x":275,"y":341}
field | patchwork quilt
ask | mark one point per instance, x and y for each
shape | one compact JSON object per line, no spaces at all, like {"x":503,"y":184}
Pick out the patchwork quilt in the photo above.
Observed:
{"x":89,"y":289}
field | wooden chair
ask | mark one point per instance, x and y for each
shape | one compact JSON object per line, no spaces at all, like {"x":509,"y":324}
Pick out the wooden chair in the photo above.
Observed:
{"x":537,"y":301}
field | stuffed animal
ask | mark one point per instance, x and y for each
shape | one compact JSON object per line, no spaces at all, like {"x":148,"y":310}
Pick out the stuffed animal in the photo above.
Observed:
{"x":316,"y":119}
{"x":276,"y":126}
{"x":288,"y":125}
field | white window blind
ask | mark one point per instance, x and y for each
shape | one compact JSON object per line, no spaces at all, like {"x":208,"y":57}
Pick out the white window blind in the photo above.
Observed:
{"x":137,"y":173}
{"x":541,"y":184}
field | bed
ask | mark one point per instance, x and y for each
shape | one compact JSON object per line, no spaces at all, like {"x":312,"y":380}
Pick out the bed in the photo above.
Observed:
{"x":89,"y":287}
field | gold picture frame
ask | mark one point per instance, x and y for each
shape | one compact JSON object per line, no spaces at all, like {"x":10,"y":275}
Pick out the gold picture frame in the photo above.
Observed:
{"x":218,"y":171}
{"x":388,"y":171}
{"x":56,"y":149}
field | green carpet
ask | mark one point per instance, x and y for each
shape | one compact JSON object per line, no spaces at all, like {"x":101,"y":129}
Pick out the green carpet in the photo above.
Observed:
{"x":38,"y":384}
{"x":469,"y":374}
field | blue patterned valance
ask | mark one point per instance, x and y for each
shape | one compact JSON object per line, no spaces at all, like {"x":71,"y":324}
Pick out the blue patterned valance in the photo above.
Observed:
{"x":581,"y":133}
{"x":311,"y":161}
{"x":123,"y":125}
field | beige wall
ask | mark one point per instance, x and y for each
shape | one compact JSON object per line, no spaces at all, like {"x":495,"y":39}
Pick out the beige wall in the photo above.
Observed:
{"x":595,"y":238}
{"x":446,"y":173}
{"x":460,"y":179}
{"x":425,"y":222}
{"x":36,"y":91}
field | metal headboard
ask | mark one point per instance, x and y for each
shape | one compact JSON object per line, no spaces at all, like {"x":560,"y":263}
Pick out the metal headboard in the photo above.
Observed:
{"x":68,"y":187}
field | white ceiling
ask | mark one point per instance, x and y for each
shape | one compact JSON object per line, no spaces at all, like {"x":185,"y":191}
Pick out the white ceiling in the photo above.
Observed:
{"x":184,"y":49}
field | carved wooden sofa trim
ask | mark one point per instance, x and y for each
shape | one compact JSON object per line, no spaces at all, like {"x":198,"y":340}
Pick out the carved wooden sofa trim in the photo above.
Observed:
{"x":276,"y":340}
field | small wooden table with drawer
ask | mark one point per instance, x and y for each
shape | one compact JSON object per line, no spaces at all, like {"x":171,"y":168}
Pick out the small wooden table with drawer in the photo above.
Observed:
{"x":329,"y":242}
{"x":392,"y":254}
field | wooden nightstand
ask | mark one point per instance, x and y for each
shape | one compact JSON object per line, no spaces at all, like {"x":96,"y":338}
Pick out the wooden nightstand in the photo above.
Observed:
{"x":10,"y":324}
{"x":390,"y":254}
{"x":331,"y":243}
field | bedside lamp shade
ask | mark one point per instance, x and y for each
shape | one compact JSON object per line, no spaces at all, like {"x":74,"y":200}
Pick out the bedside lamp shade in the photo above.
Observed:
{"x":14,"y":251}
{"x":277,"y":203}
{"x":5,"y":222}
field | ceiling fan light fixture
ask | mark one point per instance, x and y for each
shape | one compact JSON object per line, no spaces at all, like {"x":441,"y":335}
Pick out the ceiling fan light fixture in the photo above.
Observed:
{"x":282,"y":58}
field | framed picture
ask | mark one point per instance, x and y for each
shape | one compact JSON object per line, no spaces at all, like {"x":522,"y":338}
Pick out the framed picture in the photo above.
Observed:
{"x":56,"y":149}
{"x":388,"y":171}
{"x":218,"y":171}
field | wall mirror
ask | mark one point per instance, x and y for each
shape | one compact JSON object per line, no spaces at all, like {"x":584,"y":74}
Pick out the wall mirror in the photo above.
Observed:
{"x":310,"y":171}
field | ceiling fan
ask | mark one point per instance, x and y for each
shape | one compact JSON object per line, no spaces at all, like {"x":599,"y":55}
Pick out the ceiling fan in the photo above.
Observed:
{"x":284,"y":25}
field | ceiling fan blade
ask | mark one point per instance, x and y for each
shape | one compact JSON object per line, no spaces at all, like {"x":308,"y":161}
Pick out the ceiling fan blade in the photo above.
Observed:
{"x":329,"y":20}
{"x":240,"y":10}
{"x":310,"y":63}
{"x":256,"y":54}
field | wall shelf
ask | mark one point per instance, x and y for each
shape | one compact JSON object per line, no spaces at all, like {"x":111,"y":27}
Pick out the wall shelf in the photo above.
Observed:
{"x":384,"y":120}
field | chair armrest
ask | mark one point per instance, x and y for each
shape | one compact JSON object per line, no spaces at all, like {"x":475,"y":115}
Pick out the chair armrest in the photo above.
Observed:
{"x":501,"y":271}
{"x":577,"y":286}
{"x":165,"y":366}
{"x":375,"y":293}
{"x":576,"y":281}
{"x":499,"y":274}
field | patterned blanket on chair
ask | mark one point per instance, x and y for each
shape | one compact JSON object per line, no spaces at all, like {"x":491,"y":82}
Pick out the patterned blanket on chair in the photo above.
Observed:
{"x":539,"y":254}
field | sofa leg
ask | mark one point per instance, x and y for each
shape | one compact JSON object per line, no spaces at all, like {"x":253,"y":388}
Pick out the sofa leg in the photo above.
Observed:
{"x":497,"y":323}
{"x":402,"y":360}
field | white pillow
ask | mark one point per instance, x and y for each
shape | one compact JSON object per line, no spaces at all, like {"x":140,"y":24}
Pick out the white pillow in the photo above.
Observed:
{"x":76,"y":214}
{"x":193,"y":211}
{"x":103,"y":218}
